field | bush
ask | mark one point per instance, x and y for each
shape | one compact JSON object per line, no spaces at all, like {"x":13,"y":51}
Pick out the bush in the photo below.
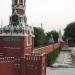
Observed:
{"x":71,"y":45}
{"x":51,"y":57}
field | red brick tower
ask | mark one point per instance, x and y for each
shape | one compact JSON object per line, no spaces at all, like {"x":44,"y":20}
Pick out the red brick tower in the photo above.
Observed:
{"x":16,"y":39}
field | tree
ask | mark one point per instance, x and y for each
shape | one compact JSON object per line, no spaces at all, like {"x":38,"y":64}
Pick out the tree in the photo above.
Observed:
{"x":39,"y":36}
{"x":69,"y":34}
{"x":55,"y":36}
{"x":70,"y":30}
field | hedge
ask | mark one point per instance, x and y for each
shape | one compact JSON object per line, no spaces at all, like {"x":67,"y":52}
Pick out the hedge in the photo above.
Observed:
{"x":51,"y":57}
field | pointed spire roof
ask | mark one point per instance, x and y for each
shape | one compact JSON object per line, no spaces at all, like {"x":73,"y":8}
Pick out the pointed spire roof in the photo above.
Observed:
{"x":60,"y":36}
{"x":51,"y":40}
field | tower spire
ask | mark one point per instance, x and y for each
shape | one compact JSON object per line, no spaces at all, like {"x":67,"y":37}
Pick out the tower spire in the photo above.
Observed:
{"x":60,"y":36}
{"x":19,"y":7}
{"x":41,"y":25}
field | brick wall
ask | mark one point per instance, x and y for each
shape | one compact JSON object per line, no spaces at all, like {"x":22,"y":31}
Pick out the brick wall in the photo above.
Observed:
{"x":47,"y":49}
{"x":35,"y":64}
{"x":31,"y":64}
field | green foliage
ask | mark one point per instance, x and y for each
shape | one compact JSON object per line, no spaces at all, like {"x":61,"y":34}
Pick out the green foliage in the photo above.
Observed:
{"x":51,"y":57}
{"x":71,"y":45}
{"x":70,"y":30}
{"x":39,"y":37}
{"x":70,"y":34}
{"x":55,"y":35}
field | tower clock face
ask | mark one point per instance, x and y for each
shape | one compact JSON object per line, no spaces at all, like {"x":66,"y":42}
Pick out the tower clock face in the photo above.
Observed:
{"x":15,"y":19}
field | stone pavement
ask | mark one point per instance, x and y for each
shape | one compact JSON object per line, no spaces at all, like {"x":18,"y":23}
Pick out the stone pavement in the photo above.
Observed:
{"x":64,"y":64}
{"x":64,"y":60}
{"x":60,"y":71}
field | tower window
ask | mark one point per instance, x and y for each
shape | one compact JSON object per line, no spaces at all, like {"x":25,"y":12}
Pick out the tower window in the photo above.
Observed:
{"x":21,"y":2}
{"x":17,"y":66}
{"x":15,"y":2}
{"x":9,"y":39}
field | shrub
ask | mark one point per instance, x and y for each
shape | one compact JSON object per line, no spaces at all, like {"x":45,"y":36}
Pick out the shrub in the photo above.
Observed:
{"x":51,"y":57}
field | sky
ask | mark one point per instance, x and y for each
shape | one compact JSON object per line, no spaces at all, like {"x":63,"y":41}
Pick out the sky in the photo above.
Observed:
{"x":53,"y":14}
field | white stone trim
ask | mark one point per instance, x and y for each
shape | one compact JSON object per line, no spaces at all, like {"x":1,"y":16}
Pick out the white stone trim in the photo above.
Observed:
{"x":18,"y":1}
{"x":30,"y":40}
{"x":26,"y":40}
{"x":35,"y":54}
{"x":23,"y":2}
{"x":11,"y":47}
{"x":13,"y":34}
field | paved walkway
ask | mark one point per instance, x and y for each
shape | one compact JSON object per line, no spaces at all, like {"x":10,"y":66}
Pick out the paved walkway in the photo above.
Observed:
{"x":60,"y":71}
{"x":65,"y":64}
{"x":64,"y":59}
